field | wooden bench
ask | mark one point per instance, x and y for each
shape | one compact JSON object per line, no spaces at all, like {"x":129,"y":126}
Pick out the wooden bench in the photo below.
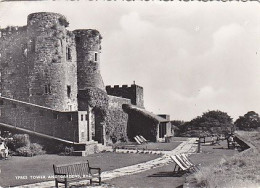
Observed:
{"x":75,"y":172}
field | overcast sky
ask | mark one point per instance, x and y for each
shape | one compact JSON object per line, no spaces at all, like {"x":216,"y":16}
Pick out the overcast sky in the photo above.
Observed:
{"x":190,"y":57}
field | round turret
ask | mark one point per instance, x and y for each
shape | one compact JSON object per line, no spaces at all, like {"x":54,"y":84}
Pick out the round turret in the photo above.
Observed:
{"x":52,"y":62}
{"x":88,"y":45}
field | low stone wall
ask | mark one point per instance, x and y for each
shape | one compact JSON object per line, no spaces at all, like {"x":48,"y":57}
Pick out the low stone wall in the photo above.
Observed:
{"x":63,"y":125}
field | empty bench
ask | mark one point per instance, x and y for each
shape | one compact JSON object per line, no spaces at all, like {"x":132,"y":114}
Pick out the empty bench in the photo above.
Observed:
{"x":75,"y":172}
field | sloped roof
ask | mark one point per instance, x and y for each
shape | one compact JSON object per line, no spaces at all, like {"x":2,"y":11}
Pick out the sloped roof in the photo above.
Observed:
{"x":146,"y":113}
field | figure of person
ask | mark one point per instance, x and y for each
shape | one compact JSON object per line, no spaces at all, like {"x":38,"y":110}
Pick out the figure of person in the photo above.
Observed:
{"x":3,"y":149}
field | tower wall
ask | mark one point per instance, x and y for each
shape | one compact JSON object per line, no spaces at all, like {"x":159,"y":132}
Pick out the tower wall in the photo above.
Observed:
{"x":88,"y":45}
{"x":52,"y":62}
{"x":13,"y":63}
{"x":134,"y":92}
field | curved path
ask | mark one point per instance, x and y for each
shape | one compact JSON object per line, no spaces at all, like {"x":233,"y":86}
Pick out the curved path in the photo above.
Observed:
{"x":187,"y":147}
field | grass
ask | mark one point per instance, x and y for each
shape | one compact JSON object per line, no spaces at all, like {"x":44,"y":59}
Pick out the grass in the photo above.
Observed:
{"x":241,"y":170}
{"x":42,"y":165}
{"x":150,"y":146}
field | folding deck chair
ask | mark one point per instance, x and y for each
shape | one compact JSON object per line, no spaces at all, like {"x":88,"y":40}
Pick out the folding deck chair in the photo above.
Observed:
{"x":183,"y":164}
{"x":144,"y":140}
{"x":137,"y":140}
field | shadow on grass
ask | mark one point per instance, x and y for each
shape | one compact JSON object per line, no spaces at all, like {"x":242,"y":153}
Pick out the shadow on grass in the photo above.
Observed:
{"x":167,"y":174}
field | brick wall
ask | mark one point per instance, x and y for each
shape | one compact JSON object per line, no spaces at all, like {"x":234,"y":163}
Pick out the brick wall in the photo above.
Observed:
{"x":62,"y":125}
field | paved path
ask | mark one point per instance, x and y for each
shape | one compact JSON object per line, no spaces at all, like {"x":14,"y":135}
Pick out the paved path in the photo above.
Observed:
{"x":187,"y":147}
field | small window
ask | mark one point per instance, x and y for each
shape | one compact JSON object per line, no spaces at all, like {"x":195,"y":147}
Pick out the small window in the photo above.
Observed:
{"x":82,"y":118}
{"x":47,"y":89}
{"x":68,"y":54}
{"x":86,"y":117}
{"x":69,"y":117}
{"x":69,"y":91}
{"x":96,"y":56}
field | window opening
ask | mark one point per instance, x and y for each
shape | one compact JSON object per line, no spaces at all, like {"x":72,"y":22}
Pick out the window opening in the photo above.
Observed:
{"x":96,"y":56}
{"x":81,"y":117}
{"x":68,"y":53}
{"x":69,"y":91}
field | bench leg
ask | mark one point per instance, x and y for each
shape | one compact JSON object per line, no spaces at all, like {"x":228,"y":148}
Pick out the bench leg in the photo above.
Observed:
{"x":66,"y":184}
{"x":56,"y":184}
{"x":99,"y":180}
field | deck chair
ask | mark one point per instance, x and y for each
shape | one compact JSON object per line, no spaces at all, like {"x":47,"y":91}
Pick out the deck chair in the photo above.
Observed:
{"x":137,"y":140}
{"x":183,"y":164}
{"x":179,"y":165}
{"x":144,"y":140}
{"x":188,"y":162}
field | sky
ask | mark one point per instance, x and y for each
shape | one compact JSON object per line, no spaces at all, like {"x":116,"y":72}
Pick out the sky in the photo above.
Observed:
{"x":190,"y":57}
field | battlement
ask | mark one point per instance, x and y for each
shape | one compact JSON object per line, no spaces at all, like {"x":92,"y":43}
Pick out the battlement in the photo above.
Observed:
{"x":123,"y":86}
{"x":11,"y":30}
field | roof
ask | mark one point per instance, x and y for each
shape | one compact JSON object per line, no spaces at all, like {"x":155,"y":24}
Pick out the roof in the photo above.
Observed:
{"x":146,"y":113}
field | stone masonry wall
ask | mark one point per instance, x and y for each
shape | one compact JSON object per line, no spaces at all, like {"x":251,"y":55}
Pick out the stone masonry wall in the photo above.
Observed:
{"x":134,"y":92}
{"x":116,"y":122}
{"x":63,"y":125}
{"x":88,"y":45}
{"x":13,"y":63}
{"x":52,"y":61}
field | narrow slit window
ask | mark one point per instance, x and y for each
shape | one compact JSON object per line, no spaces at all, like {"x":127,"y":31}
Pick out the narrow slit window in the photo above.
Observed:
{"x":47,"y":89}
{"x":69,"y":91}
{"x":96,"y":56}
{"x":68,"y":54}
{"x":86,"y":117}
{"x":82,"y":118}
{"x":69,"y":117}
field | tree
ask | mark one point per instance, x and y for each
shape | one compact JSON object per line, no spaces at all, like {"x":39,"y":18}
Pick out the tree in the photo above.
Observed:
{"x":249,"y":121}
{"x":177,"y":127}
{"x":211,"y":122}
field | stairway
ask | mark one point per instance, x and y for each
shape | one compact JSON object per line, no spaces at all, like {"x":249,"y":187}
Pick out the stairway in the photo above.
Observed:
{"x":91,"y":147}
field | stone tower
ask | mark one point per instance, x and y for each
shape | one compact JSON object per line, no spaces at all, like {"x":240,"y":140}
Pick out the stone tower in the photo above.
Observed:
{"x":88,"y":45}
{"x":92,"y":96}
{"x":52,"y":62}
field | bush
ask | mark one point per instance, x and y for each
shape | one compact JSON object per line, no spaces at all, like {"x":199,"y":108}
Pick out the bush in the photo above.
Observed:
{"x":18,"y":140}
{"x":24,"y":151}
{"x":20,"y":145}
{"x":31,"y":150}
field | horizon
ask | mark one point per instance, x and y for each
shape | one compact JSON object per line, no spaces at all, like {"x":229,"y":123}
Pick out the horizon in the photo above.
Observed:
{"x":190,"y":58}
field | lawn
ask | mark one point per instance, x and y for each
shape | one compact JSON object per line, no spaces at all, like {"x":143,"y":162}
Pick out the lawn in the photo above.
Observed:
{"x":151,"y":146}
{"x":164,"y":177}
{"x":16,"y":167}
{"x":241,"y":170}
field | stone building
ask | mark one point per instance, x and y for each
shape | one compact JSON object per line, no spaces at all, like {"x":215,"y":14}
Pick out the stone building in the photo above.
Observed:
{"x":51,"y":86}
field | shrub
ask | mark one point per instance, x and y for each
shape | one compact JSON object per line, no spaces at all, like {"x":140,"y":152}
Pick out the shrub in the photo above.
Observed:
{"x":18,"y":140}
{"x":20,"y":145}
{"x":31,"y":150}
{"x":24,"y":151}
{"x":36,"y":149}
